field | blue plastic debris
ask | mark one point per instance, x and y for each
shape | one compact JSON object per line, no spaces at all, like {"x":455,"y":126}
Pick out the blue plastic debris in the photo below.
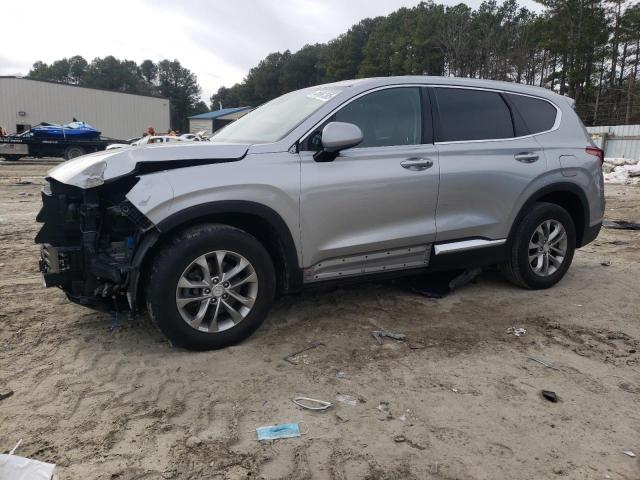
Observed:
{"x":273,"y":432}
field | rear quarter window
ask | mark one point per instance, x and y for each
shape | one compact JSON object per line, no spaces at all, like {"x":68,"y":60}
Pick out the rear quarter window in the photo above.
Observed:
{"x":539,"y":115}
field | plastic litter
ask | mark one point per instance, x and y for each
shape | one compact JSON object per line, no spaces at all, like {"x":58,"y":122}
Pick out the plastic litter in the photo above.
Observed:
{"x":380,"y":334}
{"x":606,"y":264}
{"x":385,"y":408}
{"x":347,"y":399}
{"x":341,"y":374}
{"x":629,"y":453}
{"x":20,"y":468}
{"x":312,"y":403}
{"x":517,"y":331}
{"x":549,"y":395}
{"x":14,"y":467}
{"x":274,"y":432}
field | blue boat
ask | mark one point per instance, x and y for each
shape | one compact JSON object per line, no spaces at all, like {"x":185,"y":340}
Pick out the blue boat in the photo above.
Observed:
{"x":73,"y":130}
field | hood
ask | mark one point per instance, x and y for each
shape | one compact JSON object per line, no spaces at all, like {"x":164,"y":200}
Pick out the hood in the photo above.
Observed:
{"x":98,"y":168}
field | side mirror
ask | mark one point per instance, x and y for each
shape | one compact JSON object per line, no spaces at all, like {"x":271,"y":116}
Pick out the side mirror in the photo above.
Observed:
{"x":337,"y":136}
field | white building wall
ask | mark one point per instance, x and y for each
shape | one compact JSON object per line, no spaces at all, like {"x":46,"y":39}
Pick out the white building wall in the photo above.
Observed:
{"x":116,"y":115}
{"x":198,"y":125}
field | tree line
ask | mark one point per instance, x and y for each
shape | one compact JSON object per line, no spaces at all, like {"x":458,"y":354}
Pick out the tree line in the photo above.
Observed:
{"x":586,"y":49}
{"x":167,"y":78}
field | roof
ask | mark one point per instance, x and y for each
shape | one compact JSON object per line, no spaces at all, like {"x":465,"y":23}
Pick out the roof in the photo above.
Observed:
{"x":373,"y":82}
{"x":82,"y":86}
{"x":219,"y":113}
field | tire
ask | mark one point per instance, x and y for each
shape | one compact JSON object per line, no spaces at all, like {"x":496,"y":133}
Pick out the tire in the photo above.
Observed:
{"x":73,"y":151}
{"x":519,"y":270}
{"x":12,"y":158}
{"x":175,"y":266}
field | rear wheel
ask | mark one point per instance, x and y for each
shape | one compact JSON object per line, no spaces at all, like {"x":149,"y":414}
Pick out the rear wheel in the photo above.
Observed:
{"x":542,"y":248}
{"x":73,"y":152}
{"x":209,"y":287}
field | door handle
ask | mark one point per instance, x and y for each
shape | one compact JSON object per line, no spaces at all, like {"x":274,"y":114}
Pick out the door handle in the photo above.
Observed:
{"x":416,"y":164}
{"x":526,"y":157}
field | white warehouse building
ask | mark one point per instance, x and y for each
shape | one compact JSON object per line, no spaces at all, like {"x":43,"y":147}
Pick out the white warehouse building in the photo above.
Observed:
{"x":24,"y":103}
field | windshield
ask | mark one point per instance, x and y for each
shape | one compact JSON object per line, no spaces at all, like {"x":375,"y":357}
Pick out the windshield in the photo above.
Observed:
{"x":275,"y":119}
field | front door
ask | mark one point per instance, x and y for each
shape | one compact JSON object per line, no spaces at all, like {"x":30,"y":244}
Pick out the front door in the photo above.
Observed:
{"x":373,"y":208}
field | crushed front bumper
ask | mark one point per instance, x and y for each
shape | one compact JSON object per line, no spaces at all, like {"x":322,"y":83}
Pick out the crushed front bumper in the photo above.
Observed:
{"x":88,"y":238}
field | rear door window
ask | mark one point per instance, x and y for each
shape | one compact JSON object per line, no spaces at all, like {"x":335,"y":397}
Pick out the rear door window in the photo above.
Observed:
{"x":467,"y":114}
{"x":539,"y":115}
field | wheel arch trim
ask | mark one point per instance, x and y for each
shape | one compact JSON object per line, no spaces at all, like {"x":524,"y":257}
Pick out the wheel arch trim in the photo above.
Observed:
{"x":224,"y":207}
{"x":561,"y":188}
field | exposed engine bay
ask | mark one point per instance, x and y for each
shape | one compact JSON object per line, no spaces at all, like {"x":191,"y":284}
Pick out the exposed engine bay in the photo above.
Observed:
{"x":89,"y":239}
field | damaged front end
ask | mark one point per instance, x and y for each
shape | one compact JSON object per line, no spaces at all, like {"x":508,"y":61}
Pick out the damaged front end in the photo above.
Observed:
{"x":90,"y":237}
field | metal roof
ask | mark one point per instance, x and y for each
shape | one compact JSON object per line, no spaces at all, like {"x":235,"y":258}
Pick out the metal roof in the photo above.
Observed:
{"x":219,"y":113}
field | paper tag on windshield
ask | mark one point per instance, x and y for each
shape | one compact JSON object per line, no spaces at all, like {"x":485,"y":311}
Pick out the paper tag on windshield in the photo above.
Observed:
{"x":323,"y":95}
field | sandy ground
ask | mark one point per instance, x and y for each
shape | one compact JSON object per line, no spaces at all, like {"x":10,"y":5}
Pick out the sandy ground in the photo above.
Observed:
{"x":123,"y":404}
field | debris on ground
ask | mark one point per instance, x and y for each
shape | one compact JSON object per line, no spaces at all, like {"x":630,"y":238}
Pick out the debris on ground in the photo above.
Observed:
{"x":629,"y":453}
{"x":290,"y":358}
{"x":621,"y":225}
{"x":312,"y":403}
{"x":23,"y":182}
{"x":550,"y":395}
{"x":274,"y":432}
{"x":341,"y":374}
{"x":542,"y":362}
{"x":516,"y":331}
{"x":347,"y":399}
{"x":464,"y":278}
{"x":619,"y":242}
{"x":385,"y":408}
{"x":6,"y":395}
{"x":341,"y":417}
{"x":606,"y":264}
{"x":399,"y":439}
{"x":439,"y":284}
{"x":15,"y":467}
{"x":380,"y":334}
{"x":417,"y":346}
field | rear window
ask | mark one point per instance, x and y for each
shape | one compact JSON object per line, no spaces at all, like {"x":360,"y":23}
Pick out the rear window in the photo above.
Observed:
{"x":472,"y":115}
{"x":538,"y":115}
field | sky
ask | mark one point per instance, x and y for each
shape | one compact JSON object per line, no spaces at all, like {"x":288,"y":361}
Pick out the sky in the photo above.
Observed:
{"x":218,"y":40}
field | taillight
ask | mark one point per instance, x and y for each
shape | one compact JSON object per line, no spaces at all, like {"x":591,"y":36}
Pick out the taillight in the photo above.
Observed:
{"x":596,"y":152}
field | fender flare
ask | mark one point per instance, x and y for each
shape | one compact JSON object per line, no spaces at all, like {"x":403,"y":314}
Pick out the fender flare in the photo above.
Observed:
{"x":223,"y":207}
{"x":561,"y":187}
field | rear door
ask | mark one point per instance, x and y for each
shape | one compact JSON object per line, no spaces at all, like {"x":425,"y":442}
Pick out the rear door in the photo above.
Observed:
{"x":487,"y":160}
{"x":373,"y":208}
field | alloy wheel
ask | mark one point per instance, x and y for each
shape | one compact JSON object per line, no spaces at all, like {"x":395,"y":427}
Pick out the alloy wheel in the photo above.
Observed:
{"x":547,"y":248}
{"x":217,"y":291}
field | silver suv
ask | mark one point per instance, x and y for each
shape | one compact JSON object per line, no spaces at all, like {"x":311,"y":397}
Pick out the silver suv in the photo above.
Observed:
{"x":361,"y":178}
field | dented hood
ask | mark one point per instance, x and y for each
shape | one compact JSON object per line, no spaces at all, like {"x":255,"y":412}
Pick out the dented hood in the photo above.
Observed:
{"x":98,"y":168}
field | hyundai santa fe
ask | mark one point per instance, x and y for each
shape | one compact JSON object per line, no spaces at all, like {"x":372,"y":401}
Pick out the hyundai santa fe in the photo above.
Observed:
{"x":362,"y":178}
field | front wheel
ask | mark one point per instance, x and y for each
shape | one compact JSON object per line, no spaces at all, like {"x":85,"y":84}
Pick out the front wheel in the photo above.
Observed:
{"x":209,"y":287}
{"x":542,"y":247}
